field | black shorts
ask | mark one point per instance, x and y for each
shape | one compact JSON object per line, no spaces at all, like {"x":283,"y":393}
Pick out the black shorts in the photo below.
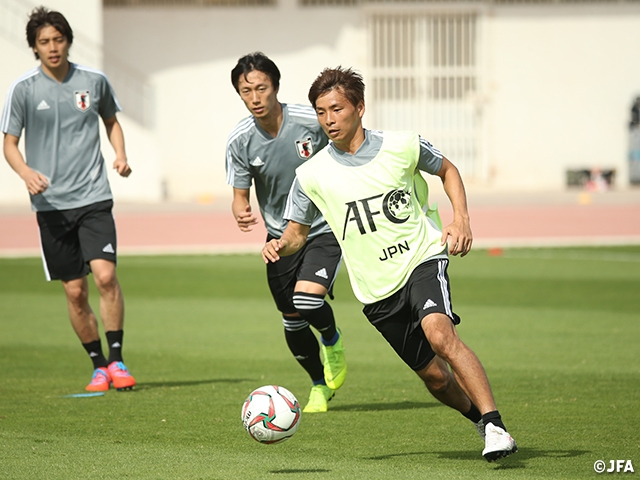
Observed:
{"x":318,"y":262}
{"x":398,"y":318}
{"x":72,"y":238}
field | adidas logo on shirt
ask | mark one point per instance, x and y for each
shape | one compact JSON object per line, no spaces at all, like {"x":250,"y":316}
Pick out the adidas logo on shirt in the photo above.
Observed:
{"x":108,"y":248}
{"x":257,"y":162}
{"x":429,"y":304}
{"x":322,"y":273}
{"x":43,"y":106}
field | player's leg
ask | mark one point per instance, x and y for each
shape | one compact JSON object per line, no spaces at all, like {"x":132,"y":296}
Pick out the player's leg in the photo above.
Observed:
{"x":430,"y":301}
{"x":304,"y":346}
{"x":441,"y":383}
{"x":392,"y":317}
{"x":302,"y":343}
{"x":111,"y":299}
{"x":317,"y":272}
{"x":97,"y":236}
{"x":445,"y":342}
{"x":63,"y":260}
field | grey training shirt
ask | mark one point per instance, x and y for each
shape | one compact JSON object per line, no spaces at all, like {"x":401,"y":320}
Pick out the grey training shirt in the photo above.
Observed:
{"x":270,"y":163}
{"x":62,"y":136}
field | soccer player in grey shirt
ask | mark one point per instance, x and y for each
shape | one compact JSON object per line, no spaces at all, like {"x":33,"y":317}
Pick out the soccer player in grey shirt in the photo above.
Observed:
{"x":58,"y":105}
{"x":265,"y":149}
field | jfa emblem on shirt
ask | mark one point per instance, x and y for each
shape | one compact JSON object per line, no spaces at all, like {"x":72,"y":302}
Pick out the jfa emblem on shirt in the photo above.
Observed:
{"x":83,"y":100}
{"x":305,"y":148}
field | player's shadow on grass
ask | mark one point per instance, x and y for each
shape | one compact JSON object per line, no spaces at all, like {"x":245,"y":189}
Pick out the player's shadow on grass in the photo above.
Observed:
{"x":516,"y":460}
{"x":377,"y":407}
{"x":187,"y":383}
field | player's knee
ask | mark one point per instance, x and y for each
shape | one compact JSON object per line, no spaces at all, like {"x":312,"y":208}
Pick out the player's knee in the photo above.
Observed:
{"x":106,"y":280}
{"x":441,"y":336}
{"x":436,"y":379}
{"x":308,"y":303}
{"x":77,"y":293}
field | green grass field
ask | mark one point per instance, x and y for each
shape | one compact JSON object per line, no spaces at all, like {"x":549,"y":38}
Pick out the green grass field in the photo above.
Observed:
{"x":558,"y":331}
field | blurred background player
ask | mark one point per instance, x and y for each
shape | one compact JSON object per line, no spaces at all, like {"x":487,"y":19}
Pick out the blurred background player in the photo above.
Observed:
{"x":58,"y":104}
{"x":364,"y":183}
{"x":266,"y":148}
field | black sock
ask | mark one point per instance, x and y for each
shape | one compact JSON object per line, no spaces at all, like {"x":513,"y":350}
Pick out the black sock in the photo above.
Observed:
{"x":317,"y":312}
{"x":114,"y":339}
{"x":304,"y":346}
{"x":495,"y":418}
{"x":473,"y":414}
{"x":94,"y":349}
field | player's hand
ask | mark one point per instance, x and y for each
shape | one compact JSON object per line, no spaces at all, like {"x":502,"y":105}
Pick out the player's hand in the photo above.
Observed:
{"x":270,"y":250}
{"x":461,"y":237}
{"x":246,"y":219}
{"x":35,"y":181}
{"x":122,"y":167}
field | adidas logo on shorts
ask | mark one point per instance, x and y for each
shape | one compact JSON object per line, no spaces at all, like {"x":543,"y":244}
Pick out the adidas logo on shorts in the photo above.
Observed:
{"x":429,"y":304}
{"x":322,"y":273}
{"x":108,"y":248}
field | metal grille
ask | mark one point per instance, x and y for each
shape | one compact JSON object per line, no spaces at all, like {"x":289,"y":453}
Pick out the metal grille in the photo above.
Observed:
{"x":336,"y":3}
{"x":424,"y":77}
{"x":497,"y":2}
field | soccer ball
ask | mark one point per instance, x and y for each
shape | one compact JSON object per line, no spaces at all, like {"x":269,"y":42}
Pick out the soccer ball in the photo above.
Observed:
{"x":271,"y":414}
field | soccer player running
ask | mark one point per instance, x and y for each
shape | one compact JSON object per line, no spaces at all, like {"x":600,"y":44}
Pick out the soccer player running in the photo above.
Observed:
{"x":368,"y":186}
{"x":266,"y":148}
{"x":58,"y":104}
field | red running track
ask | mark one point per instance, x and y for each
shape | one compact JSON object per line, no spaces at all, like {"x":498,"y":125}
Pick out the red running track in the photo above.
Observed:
{"x":496,"y":221}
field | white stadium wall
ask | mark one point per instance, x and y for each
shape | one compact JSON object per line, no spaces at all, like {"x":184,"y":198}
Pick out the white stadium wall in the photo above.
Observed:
{"x":559,"y":89}
{"x":144,"y":185}
{"x":555,"y":90}
{"x":18,"y":59}
{"x":189,"y":53}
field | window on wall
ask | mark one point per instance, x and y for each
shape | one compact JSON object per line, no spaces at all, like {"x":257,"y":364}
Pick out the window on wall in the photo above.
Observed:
{"x":337,"y":3}
{"x":424,"y":77}
{"x":405,"y":47}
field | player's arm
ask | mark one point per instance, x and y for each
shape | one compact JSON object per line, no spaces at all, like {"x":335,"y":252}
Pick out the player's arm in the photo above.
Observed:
{"x":116,"y":138}
{"x":300,"y":211}
{"x":241,"y":208}
{"x":460,"y":229}
{"x":36,"y":182}
{"x":293,"y":239}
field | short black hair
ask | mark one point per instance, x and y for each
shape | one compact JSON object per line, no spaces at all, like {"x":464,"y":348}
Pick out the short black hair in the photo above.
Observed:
{"x":255,"y":61}
{"x":41,"y":17}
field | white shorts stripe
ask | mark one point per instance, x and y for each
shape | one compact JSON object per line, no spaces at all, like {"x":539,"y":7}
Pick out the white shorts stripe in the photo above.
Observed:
{"x":442,"y":265}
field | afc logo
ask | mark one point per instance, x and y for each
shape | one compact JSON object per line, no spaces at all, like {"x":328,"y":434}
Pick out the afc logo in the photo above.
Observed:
{"x":396,"y":207}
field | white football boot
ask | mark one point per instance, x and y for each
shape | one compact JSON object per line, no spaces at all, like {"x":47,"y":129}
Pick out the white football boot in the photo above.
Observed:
{"x":497,"y":443}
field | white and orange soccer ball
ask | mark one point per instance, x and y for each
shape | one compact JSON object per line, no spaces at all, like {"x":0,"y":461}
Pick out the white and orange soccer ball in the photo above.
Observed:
{"x":271,"y":414}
